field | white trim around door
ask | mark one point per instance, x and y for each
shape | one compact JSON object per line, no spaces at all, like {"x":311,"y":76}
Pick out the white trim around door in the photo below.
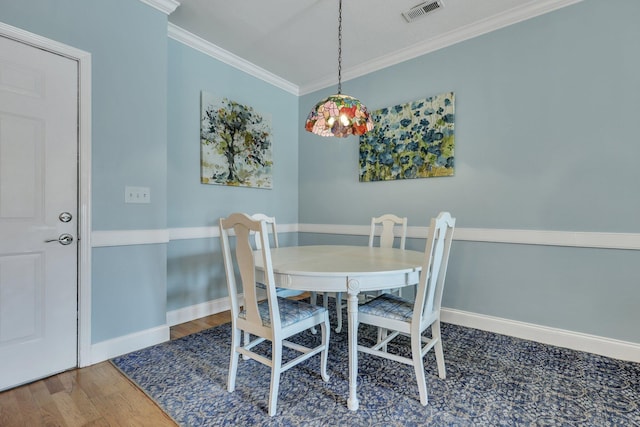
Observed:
{"x":84,"y":175}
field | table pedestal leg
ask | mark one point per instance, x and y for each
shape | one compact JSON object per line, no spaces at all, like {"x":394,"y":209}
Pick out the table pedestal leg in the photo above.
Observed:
{"x":352,"y":310}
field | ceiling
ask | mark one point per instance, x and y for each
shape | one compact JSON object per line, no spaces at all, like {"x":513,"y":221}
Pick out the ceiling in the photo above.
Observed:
{"x":297,"y":40}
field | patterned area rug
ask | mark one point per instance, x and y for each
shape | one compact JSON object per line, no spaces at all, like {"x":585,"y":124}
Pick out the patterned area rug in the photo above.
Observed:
{"x":492,"y":380}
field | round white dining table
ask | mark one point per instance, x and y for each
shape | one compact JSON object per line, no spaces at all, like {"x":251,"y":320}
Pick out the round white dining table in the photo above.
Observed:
{"x":347,"y":269}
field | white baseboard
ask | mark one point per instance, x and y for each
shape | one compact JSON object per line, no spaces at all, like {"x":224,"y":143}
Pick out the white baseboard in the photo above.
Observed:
{"x":108,"y":349}
{"x":609,"y":347}
{"x":187,"y":314}
{"x":616,"y":349}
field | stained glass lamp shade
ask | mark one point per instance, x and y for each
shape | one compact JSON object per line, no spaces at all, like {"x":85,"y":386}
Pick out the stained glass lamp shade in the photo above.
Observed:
{"x":339,"y":115}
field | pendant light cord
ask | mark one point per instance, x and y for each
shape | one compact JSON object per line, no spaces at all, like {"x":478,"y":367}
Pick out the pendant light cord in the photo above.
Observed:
{"x":340,"y":47}
{"x":339,"y":115}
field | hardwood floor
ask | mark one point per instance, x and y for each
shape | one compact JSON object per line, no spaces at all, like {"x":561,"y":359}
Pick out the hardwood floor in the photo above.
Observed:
{"x":98,"y":395}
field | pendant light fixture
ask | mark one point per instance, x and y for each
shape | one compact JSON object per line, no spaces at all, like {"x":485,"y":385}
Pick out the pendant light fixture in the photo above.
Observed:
{"x":339,"y":115}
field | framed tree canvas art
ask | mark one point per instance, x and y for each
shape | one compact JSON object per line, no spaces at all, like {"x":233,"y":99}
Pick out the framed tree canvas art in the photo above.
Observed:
{"x":413,"y":140}
{"x":235,"y":144}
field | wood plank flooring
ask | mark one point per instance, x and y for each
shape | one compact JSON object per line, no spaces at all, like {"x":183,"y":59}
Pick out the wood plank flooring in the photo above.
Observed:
{"x":98,"y":395}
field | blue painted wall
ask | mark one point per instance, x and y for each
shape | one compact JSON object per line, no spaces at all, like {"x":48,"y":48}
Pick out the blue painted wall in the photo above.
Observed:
{"x":546,"y":139}
{"x":128,"y":43}
{"x":546,"y":129}
{"x":195,"y":273}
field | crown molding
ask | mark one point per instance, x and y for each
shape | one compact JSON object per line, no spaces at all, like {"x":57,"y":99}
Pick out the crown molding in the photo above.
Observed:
{"x":165,"y":6}
{"x":510,"y":17}
{"x":496,"y":22}
{"x":198,"y":43}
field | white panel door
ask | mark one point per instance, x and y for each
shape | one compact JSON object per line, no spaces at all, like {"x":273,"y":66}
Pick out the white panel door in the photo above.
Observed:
{"x":38,"y":182}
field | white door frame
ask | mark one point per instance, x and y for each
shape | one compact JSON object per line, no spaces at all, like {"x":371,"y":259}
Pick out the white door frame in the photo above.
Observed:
{"x":84,"y":176}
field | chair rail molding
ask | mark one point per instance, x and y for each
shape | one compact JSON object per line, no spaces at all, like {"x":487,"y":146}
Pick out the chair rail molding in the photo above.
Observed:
{"x":129,"y":237}
{"x":579,"y":239}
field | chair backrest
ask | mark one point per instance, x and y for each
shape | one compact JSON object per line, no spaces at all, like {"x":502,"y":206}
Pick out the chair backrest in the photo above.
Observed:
{"x":388,"y":235}
{"x":434,"y":269}
{"x":243,"y":226}
{"x":271,"y":223}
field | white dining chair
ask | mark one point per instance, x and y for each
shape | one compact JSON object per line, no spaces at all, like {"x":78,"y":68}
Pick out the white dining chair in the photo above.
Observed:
{"x":391,"y":313}
{"x":271,"y":224}
{"x":272,"y":230}
{"x":392,"y":228}
{"x":274,"y":319}
{"x":273,"y":233}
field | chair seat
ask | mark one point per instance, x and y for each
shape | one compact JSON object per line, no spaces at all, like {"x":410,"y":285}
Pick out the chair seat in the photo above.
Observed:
{"x":291,"y":311}
{"x":281,"y":292}
{"x":389,"y":306}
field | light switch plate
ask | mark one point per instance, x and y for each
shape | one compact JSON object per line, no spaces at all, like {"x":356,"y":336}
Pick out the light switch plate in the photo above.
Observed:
{"x":137,"y":194}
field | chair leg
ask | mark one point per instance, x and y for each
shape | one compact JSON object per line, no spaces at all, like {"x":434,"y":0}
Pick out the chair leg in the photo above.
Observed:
{"x":339,"y":310}
{"x":276,"y":365}
{"x":436,"y":335}
{"x":233,"y":362}
{"x":382,"y":335}
{"x":313,"y":300}
{"x":247,"y":340}
{"x":418,"y":367}
{"x":325,"y":330}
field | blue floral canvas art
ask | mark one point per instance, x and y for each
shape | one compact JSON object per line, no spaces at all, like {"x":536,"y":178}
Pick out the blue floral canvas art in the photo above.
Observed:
{"x":413,"y":140}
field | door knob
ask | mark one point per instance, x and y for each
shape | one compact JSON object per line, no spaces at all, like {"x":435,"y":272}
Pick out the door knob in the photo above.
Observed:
{"x":64,"y":239}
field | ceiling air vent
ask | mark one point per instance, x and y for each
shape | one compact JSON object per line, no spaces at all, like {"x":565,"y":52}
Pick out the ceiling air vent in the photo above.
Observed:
{"x":422,"y":9}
